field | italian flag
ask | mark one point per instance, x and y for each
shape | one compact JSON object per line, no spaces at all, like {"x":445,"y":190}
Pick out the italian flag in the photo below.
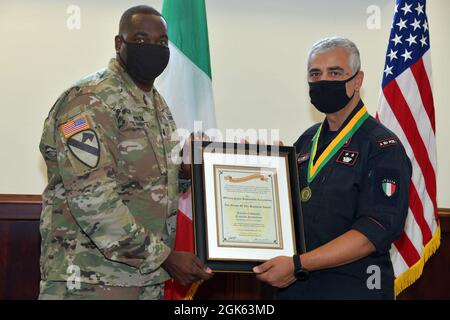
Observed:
{"x":389,"y":188}
{"x":186,"y":87}
{"x":186,"y":83}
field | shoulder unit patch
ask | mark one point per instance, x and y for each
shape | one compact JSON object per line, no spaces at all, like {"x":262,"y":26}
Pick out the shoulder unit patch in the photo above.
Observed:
{"x":85,"y":147}
{"x":386,"y":186}
{"x":389,"y":187}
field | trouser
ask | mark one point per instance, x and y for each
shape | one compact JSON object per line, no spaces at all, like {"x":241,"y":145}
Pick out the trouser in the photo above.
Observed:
{"x":58,"y":290}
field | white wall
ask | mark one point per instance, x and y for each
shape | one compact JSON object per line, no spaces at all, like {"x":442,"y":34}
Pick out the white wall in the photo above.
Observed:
{"x":258,"y":52}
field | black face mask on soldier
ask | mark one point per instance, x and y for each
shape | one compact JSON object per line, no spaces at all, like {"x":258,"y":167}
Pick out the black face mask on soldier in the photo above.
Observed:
{"x":330,"y":96}
{"x":145,"y":62}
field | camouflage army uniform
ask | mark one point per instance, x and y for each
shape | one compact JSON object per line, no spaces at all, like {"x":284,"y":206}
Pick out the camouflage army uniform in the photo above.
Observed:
{"x":110,"y":205}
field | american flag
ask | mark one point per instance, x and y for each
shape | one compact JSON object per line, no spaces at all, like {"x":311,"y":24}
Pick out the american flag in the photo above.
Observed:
{"x":74,"y":126}
{"x":406,"y":107}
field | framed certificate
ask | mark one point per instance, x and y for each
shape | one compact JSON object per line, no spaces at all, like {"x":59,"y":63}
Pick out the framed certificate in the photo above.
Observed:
{"x":246,"y":204}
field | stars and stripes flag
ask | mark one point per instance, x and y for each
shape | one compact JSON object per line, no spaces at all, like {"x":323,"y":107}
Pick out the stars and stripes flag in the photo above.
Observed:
{"x":406,"y":107}
{"x":75,"y":125}
{"x":187,"y":87}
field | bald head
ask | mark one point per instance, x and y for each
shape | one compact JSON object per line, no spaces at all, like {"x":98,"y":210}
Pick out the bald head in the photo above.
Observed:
{"x":140,"y":27}
{"x":126,"y":21}
{"x":141,"y":24}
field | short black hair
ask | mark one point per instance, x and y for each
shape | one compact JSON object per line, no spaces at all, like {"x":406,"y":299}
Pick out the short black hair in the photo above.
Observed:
{"x":141,"y":9}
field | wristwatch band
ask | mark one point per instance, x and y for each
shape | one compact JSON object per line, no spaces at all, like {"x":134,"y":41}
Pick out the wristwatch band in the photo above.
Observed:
{"x":300,"y":273}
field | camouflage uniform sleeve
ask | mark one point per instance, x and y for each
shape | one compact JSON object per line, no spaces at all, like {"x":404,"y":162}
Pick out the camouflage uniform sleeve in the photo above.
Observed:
{"x":86,"y":143}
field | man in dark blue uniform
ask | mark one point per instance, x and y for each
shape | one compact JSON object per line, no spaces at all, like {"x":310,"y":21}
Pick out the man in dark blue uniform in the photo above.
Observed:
{"x":354,"y":179}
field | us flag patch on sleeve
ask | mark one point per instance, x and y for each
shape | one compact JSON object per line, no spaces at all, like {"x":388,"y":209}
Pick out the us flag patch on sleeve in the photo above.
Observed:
{"x":75,"y":125}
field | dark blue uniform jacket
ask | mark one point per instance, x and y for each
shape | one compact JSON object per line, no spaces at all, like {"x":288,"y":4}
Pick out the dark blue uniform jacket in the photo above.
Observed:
{"x":363,"y":187}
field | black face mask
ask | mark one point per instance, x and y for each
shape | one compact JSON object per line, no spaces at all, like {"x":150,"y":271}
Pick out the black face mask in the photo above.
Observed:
{"x":145,"y":62}
{"x":329,"y":96}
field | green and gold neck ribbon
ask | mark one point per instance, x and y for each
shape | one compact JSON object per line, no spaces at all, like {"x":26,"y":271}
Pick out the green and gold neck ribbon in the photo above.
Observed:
{"x":344,"y":135}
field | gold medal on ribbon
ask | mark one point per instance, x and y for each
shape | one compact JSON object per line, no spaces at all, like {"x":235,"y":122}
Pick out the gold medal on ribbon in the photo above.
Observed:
{"x":306,"y":194}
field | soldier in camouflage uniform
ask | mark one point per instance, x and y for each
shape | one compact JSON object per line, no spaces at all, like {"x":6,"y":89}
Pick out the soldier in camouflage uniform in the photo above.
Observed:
{"x":109,"y":210}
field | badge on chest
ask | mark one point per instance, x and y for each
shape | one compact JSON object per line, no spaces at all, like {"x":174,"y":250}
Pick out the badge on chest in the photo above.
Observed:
{"x":302,"y":158}
{"x":348,"y":157}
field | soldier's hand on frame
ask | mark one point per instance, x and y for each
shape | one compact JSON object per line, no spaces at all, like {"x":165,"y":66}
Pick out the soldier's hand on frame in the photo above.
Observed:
{"x":186,"y":268}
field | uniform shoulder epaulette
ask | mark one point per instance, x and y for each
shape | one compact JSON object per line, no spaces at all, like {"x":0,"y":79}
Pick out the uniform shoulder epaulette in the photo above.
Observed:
{"x":387,"y":141}
{"x":382,"y":137}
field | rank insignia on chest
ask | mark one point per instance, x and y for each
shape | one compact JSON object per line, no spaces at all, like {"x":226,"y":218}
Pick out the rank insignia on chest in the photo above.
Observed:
{"x":85,"y":147}
{"x":389,"y":187}
{"x":347,"y":157}
{"x":348,"y":143}
{"x":302,"y":158}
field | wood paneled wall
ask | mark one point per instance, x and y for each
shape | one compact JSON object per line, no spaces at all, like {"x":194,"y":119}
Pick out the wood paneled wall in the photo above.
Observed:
{"x":19,"y":246}
{"x":20,"y":249}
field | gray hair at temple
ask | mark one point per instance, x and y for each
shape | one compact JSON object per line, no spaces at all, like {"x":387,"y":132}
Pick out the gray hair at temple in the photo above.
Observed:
{"x":327,"y":44}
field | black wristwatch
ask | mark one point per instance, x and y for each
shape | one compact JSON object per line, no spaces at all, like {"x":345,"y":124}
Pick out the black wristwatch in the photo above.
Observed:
{"x":300,"y":273}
